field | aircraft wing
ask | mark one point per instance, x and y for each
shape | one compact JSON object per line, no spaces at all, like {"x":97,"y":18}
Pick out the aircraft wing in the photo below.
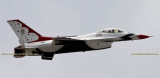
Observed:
{"x":69,"y":41}
{"x":66,"y":41}
{"x":109,"y":39}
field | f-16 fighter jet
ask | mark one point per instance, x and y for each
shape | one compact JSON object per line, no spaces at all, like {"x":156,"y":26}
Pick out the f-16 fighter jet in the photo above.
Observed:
{"x":34,"y":44}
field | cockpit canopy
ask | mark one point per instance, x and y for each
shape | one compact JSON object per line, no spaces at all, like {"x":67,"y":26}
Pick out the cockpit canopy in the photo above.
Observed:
{"x":111,"y":30}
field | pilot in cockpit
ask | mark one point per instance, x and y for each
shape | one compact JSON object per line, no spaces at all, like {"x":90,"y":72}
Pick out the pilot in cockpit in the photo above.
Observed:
{"x":113,"y":30}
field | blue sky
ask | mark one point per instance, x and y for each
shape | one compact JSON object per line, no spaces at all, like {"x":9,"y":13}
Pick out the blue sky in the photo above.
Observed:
{"x":78,"y":17}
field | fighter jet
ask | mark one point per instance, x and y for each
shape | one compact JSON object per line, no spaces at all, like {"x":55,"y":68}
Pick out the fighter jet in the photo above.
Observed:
{"x":34,"y":44}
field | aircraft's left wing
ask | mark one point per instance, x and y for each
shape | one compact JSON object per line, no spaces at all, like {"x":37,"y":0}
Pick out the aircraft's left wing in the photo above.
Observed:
{"x":66,"y":41}
{"x":109,"y":39}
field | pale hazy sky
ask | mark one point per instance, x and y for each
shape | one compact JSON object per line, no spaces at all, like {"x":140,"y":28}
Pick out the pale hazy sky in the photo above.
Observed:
{"x":78,"y":17}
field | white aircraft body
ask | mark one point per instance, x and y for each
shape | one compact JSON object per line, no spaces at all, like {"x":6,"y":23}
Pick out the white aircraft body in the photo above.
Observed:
{"x":34,"y":44}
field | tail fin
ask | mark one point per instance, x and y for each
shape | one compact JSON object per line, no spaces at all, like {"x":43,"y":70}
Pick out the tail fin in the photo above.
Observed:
{"x":25,"y":33}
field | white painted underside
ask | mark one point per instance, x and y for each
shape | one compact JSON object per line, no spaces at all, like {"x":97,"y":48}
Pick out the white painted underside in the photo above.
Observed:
{"x":45,"y":46}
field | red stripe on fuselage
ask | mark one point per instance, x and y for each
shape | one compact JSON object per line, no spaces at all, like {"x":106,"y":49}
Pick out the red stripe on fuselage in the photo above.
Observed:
{"x":42,"y":38}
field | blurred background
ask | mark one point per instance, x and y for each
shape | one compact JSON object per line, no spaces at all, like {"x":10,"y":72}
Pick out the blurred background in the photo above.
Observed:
{"x":78,"y":17}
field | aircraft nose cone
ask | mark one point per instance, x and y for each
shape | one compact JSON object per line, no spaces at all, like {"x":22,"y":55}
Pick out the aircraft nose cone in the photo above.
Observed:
{"x":143,"y":36}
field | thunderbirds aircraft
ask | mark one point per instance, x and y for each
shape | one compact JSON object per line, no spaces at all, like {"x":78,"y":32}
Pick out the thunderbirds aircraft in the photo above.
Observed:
{"x":34,"y":44}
